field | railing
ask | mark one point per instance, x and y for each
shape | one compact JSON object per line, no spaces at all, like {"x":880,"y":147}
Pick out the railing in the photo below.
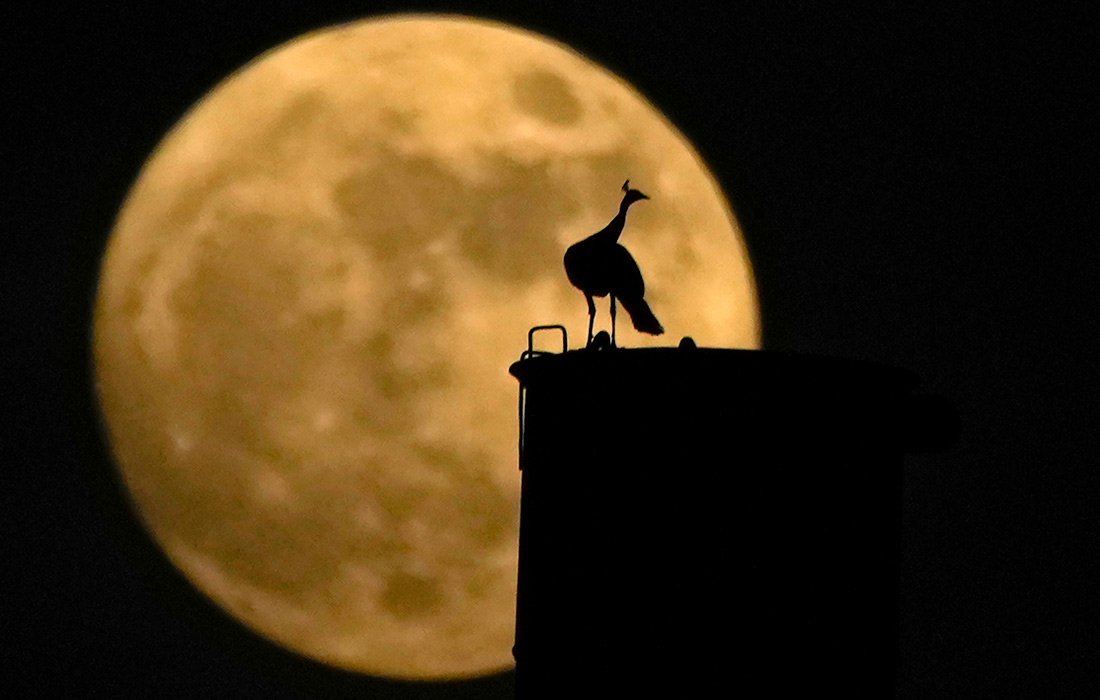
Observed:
{"x":531,"y":352}
{"x":527,"y":354}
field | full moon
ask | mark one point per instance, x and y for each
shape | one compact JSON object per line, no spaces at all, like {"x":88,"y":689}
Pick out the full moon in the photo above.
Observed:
{"x":310,"y":298}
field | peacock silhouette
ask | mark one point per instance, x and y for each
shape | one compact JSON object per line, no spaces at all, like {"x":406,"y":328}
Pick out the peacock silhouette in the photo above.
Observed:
{"x":600,"y":266}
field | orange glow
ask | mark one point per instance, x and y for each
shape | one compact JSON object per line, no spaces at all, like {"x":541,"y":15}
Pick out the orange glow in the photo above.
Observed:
{"x":312,"y":295}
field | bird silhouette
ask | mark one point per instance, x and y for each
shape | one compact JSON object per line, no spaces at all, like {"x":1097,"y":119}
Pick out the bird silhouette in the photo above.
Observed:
{"x":600,"y":266}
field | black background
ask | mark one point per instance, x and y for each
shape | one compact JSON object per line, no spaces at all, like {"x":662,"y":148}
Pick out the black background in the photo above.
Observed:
{"x":912,"y":185}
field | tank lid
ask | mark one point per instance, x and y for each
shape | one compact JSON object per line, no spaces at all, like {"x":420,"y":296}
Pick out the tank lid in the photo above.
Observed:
{"x":768,"y":369}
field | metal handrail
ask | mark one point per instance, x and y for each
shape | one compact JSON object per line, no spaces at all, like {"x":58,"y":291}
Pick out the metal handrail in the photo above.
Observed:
{"x":531,"y":352}
{"x":528,"y":353}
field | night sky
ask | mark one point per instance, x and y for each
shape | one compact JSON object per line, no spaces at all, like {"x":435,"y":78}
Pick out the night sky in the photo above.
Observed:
{"x":910,"y":185}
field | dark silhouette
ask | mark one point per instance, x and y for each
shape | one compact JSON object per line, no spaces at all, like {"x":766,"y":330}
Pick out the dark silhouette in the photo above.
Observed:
{"x":718,"y":520}
{"x":601,"y":341}
{"x":599,"y":265}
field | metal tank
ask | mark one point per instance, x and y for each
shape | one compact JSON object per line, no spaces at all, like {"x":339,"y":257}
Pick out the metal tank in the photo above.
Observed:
{"x":699,"y":520}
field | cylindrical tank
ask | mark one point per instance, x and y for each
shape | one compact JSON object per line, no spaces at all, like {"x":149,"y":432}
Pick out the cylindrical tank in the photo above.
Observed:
{"x":694,"y":519}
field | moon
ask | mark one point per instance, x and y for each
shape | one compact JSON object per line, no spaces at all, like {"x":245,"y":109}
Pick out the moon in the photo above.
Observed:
{"x":310,"y":298}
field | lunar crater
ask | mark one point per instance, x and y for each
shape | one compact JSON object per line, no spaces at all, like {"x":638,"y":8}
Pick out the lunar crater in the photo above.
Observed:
{"x":410,"y":596}
{"x":548,"y":97}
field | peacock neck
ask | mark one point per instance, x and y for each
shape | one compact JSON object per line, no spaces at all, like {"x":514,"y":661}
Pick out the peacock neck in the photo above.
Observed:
{"x":616,"y":226}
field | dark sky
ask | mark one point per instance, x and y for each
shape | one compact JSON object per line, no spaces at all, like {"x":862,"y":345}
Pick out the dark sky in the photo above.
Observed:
{"x":912,"y":188}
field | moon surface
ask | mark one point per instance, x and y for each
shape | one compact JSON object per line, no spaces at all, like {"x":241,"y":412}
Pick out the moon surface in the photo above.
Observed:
{"x":312,"y":294}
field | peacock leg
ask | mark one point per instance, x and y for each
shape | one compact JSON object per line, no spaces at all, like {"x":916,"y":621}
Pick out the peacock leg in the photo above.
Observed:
{"x":612,"y":320}
{"x":591,"y":317}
